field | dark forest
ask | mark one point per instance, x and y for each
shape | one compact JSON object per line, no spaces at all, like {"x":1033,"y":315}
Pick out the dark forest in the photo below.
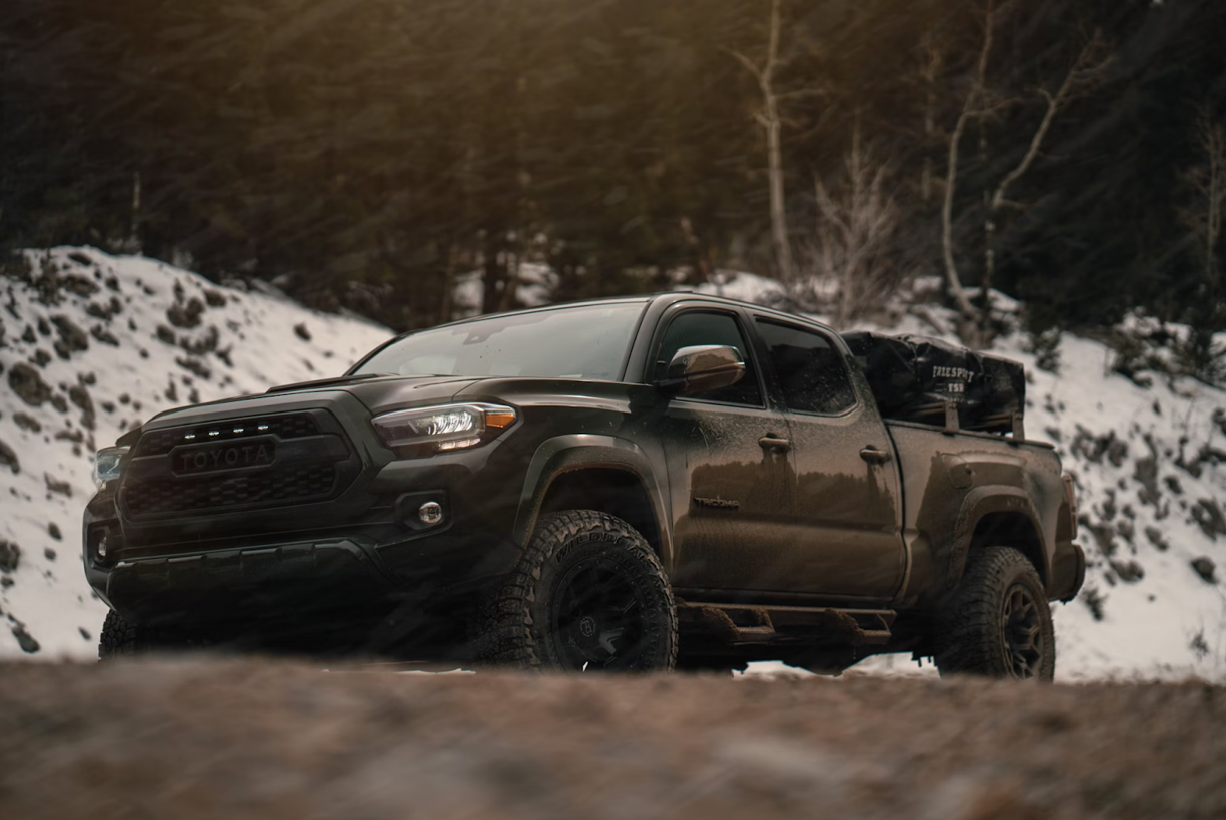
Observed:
{"x":362,"y":154}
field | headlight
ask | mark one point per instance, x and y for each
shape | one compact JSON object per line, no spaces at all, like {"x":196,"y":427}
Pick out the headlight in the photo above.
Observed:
{"x":108,"y":465}
{"x":449,"y":427}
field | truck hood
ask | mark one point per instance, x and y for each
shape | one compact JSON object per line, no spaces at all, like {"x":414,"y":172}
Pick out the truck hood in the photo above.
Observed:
{"x":377,"y":392}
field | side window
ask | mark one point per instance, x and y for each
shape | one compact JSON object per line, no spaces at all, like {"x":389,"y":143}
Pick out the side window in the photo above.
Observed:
{"x":811,"y":371}
{"x":703,"y":328}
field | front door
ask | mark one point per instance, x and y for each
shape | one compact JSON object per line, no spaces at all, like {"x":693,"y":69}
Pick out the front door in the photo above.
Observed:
{"x":847,"y":514}
{"x":731,"y":486}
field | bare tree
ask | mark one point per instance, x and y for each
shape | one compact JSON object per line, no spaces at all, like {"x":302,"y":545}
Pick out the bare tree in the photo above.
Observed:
{"x":1205,"y":359}
{"x":1209,"y":183}
{"x":769,"y":118}
{"x":930,"y":73}
{"x":1086,"y":72}
{"x":973,"y":105}
{"x":857,"y":229}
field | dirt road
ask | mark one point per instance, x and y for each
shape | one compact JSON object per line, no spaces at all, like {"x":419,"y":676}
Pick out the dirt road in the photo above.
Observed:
{"x":260,"y":739}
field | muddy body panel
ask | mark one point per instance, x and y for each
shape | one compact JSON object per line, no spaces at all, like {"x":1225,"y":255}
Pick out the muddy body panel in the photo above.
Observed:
{"x":784,"y":490}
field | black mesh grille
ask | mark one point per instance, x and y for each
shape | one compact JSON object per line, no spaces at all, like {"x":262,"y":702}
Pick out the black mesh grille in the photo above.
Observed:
{"x":290,"y":426}
{"x":218,"y":493}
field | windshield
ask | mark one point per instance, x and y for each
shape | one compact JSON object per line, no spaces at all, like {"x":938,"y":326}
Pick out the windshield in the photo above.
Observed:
{"x":589,"y":342}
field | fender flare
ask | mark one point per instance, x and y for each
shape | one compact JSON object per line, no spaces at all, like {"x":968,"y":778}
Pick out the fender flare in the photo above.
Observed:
{"x":564,"y":454}
{"x":983,"y":501}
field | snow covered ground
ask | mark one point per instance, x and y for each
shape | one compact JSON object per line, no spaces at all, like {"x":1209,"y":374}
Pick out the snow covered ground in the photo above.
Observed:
{"x":111,"y":340}
{"x":101,"y":343}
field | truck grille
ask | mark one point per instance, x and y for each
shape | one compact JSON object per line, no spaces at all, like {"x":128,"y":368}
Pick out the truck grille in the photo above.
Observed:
{"x":297,"y":425}
{"x":218,"y":493}
{"x":314,"y":462}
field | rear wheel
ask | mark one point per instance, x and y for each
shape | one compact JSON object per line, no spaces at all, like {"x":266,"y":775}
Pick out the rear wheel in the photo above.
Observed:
{"x":588,"y":595}
{"x":999,"y":622}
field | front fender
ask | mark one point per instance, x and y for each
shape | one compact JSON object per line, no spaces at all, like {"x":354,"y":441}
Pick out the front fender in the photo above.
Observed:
{"x":563,"y":454}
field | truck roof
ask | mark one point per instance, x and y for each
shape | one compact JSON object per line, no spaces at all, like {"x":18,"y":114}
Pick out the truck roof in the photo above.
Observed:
{"x":670,"y":296}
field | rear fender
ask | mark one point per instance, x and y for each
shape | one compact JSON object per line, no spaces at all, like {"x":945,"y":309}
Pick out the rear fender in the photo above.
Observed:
{"x":988,"y":500}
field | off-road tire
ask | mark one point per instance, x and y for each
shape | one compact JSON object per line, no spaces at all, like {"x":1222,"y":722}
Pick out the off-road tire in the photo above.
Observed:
{"x":120,"y":638}
{"x":975,"y":635}
{"x":517,"y":624}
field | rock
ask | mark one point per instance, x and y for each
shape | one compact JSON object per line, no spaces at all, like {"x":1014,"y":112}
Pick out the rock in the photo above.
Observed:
{"x":26,"y":422}
{"x":103,"y":335}
{"x":81,"y":259}
{"x":1155,"y":537}
{"x":1205,"y":568}
{"x":79,"y":285}
{"x":302,"y":332}
{"x":215,"y":298}
{"x":49,"y":554}
{"x":56,"y":486}
{"x":28,"y":337}
{"x":9,"y":459}
{"x":73,"y":337}
{"x":185,"y":315}
{"x":87,"y":378}
{"x":194,"y":365}
{"x":1209,"y":516}
{"x":26,"y":383}
{"x":84,"y":633}
{"x":25,"y":640}
{"x":1129,"y":572}
{"x":53,"y":530}
{"x":80,"y":397}
{"x":10,"y":557}
{"x":1146,"y":474}
{"x":166,"y":335}
{"x":41,"y":357}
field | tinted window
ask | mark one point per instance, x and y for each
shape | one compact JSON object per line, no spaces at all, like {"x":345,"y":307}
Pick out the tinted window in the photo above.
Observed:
{"x":811,"y":371}
{"x":589,"y":342}
{"x":701,"y":328}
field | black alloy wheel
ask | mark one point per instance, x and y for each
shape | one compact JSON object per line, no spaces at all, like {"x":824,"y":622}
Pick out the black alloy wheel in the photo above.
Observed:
{"x":1021,"y":630}
{"x":597,"y":618}
{"x":588,"y":595}
{"x":998,"y":623}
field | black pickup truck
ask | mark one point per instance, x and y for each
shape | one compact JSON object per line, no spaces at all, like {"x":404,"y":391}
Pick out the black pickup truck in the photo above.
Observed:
{"x":628,"y":484}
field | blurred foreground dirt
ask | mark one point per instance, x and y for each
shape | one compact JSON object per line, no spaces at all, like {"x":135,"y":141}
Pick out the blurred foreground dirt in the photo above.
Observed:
{"x":262,"y":739}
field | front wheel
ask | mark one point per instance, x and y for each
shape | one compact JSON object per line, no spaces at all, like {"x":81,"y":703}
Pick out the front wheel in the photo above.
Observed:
{"x":588,"y":595}
{"x":999,"y":622}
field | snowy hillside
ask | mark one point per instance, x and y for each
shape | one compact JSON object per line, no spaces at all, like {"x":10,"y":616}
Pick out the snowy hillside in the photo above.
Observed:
{"x":91,"y":345}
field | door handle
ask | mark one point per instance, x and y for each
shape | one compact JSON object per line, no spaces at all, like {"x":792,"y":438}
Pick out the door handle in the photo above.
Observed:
{"x":874,"y":456}
{"x":774,"y":443}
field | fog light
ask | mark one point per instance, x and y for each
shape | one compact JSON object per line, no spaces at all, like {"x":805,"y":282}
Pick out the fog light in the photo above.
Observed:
{"x":101,"y":549}
{"x":430,"y":513}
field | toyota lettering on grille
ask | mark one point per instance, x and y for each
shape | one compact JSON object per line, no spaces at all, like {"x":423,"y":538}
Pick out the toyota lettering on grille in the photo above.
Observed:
{"x":224,"y":457}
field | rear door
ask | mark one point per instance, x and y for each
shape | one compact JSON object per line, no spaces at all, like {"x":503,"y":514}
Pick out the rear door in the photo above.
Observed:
{"x":847,"y":514}
{"x":731,"y":488}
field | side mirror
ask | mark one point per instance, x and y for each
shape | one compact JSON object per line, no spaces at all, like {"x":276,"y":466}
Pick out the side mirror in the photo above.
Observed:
{"x":699,"y":368}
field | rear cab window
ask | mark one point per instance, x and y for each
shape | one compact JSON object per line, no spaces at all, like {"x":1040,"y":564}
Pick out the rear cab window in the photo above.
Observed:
{"x":809,"y":368}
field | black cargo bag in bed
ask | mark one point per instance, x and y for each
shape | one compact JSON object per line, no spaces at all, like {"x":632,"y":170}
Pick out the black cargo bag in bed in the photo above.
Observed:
{"x":913,"y":377}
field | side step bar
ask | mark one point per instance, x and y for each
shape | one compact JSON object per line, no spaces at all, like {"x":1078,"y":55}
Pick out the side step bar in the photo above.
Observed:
{"x":737,"y":624}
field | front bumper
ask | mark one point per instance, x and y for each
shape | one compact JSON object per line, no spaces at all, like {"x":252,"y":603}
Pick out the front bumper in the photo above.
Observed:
{"x":363,"y":549}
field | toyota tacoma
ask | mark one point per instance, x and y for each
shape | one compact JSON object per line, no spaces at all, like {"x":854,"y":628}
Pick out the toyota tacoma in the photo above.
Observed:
{"x":631,"y":484}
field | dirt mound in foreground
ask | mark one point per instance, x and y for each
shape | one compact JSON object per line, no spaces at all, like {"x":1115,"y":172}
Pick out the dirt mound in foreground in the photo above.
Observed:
{"x":259,"y":739}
